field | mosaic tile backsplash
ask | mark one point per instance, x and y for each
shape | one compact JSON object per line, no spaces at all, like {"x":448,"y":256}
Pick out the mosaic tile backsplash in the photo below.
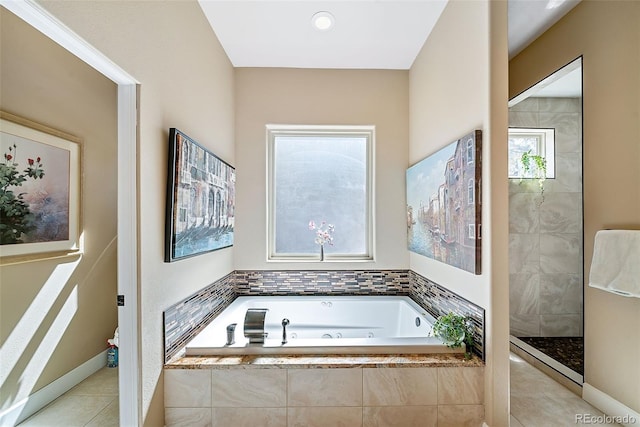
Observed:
{"x":317,"y":282}
{"x":438,"y":300}
{"x":185,"y":319}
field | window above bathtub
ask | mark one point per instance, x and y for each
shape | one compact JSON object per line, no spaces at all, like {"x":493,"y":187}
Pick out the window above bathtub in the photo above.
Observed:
{"x":320,"y":174}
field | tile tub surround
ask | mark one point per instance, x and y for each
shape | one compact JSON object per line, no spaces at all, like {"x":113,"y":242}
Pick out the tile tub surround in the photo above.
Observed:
{"x":438,"y":390}
{"x":185,"y":319}
{"x":319,"y":282}
{"x":438,"y":300}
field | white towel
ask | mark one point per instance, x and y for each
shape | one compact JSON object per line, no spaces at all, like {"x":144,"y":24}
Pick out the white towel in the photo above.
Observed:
{"x":616,"y":262}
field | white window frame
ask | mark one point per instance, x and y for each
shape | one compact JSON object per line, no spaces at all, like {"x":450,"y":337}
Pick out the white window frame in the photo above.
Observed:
{"x":471,"y":191}
{"x":368,"y":132}
{"x":472,"y":231}
{"x":546,"y":147}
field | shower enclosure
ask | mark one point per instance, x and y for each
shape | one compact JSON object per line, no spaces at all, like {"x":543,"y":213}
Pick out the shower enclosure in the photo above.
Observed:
{"x":546,"y":221}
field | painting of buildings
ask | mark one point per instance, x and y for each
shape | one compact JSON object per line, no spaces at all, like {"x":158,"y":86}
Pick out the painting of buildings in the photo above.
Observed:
{"x":201,"y":199}
{"x":444,"y":204}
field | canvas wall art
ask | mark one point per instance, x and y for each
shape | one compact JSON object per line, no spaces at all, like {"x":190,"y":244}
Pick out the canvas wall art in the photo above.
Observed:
{"x":444,"y":204}
{"x":200,"y":199}
{"x":39,"y":189}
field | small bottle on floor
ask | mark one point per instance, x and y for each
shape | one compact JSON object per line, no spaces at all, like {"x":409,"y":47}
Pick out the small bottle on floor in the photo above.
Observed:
{"x":112,"y":356}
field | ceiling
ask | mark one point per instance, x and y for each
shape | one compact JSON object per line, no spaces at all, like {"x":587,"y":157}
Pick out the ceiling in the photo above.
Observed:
{"x":567,"y":86}
{"x":368,"y":34}
{"x":528,"y":19}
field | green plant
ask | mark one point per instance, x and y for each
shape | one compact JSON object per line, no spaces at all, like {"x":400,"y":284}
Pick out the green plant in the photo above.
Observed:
{"x":454,"y":329}
{"x":16,"y":219}
{"x":535,"y":166}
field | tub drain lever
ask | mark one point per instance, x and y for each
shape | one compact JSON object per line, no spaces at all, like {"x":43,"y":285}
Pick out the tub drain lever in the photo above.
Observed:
{"x":231,"y":339}
{"x":285,"y":322}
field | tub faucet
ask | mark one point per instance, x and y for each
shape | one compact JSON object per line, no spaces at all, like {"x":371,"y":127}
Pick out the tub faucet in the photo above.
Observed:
{"x":285,"y":322}
{"x":231,"y":329}
{"x":254,"y":325}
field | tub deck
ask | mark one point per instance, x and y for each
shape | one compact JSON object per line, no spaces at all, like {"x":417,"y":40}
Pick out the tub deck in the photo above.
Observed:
{"x":441,"y":360}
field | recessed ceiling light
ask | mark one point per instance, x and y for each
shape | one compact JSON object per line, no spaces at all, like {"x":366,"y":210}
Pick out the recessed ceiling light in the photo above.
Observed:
{"x":323,"y":21}
{"x":552,"y":4}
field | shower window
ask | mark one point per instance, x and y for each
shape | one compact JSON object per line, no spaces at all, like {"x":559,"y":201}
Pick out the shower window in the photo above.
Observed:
{"x":540,"y":142}
{"x":319,"y":173}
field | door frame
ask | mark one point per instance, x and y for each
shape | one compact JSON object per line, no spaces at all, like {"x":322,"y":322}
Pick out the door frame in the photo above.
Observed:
{"x":130,"y":402}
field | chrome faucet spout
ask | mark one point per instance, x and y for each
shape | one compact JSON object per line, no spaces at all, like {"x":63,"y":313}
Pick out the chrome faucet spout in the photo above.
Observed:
{"x":285,"y":322}
{"x":254,"y":325}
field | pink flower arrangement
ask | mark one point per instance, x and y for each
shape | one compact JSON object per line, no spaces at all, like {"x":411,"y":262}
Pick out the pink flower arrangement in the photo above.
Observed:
{"x":323,"y":231}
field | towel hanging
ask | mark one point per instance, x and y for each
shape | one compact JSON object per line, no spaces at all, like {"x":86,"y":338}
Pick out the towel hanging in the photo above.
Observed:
{"x":615,"y":266}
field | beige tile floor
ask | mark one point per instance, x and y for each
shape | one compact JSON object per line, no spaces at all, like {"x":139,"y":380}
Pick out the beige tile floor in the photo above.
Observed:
{"x":536,"y":401}
{"x":92,"y":403}
{"x":539,"y":401}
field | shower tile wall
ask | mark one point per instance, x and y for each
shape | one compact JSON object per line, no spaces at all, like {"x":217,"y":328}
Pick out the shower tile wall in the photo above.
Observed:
{"x":545,"y":230}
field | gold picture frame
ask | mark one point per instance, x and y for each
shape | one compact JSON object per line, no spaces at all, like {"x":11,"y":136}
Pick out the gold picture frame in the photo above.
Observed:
{"x":40,"y":190}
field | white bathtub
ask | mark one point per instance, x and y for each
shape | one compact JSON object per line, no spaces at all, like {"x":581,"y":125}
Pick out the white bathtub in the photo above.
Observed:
{"x":325,"y":325}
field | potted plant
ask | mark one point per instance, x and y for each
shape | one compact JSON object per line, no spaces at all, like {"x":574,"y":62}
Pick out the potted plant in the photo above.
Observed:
{"x":454,"y":329}
{"x":534,"y":166}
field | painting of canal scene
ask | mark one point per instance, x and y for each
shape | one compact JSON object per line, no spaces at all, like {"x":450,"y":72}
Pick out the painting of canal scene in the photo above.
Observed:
{"x":200,"y":200}
{"x":443,"y":204}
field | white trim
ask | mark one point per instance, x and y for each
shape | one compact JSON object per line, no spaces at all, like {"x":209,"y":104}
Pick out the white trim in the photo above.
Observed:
{"x":610,"y":406}
{"x":40,"y":19}
{"x":25,"y":408}
{"x":572,"y":375}
{"x":546,"y":147}
{"x":130,"y":394}
{"x":129,"y":352}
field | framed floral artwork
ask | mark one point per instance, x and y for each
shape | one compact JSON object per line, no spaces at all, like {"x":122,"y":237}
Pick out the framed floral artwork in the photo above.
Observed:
{"x":39,"y":189}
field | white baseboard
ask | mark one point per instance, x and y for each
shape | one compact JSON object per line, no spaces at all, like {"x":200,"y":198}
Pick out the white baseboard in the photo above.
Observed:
{"x":619,"y":412}
{"x":22,"y":410}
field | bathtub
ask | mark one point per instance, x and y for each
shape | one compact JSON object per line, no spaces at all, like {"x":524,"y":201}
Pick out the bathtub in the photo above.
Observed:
{"x":324,"y":325}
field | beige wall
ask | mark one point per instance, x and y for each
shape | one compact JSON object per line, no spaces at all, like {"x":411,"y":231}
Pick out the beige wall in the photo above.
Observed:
{"x":56,"y":314}
{"x":331,"y":97}
{"x":457,"y":84}
{"x":186,"y":81}
{"x":455,"y":87}
{"x":607,"y":34}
